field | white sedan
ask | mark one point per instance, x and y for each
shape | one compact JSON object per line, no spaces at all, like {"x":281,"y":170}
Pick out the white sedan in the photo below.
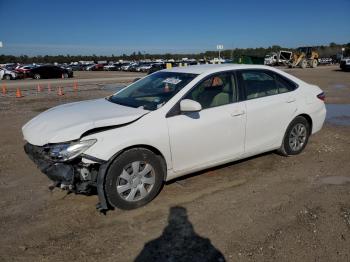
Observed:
{"x":169,"y":124}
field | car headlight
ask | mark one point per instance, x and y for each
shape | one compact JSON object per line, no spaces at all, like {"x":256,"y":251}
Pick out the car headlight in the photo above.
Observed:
{"x":67,"y":151}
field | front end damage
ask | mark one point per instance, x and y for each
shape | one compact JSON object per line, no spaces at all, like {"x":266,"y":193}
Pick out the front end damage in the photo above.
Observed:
{"x":81,"y":175}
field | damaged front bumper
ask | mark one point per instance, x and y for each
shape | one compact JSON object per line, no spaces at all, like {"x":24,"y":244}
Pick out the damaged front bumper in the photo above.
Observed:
{"x":76,"y":175}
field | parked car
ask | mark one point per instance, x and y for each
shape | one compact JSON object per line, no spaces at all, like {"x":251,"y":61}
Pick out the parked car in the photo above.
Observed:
{"x":169,"y":124}
{"x":127,"y":66}
{"x":90,"y":67}
{"x":24,"y":69}
{"x":9,"y":74}
{"x":144,"y":67}
{"x":109,"y":67}
{"x":156,"y":67}
{"x":345,"y":64}
{"x":49,"y":71}
{"x":77,"y":67}
{"x":10,"y":66}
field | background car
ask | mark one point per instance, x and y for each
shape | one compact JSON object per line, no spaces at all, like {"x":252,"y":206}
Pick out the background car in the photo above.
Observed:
{"x":49,"y":71}
{"x":345,"y":64}
{"x":24,"y":69}
{"x":9,"y":74}
{"x":156,"y":67}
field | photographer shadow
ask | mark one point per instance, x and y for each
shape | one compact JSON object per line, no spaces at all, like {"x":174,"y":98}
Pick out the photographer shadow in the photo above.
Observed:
{"x":179,"y":242}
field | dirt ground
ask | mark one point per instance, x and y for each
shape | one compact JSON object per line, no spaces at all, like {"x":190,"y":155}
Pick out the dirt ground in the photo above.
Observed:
{"x":266,"y":208}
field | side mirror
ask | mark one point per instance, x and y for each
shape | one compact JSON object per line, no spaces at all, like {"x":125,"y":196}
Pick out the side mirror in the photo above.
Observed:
{"x":188,"y":105}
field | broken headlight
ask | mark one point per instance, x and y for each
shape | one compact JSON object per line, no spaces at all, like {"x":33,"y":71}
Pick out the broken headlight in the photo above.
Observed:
{"x":68,"y":151}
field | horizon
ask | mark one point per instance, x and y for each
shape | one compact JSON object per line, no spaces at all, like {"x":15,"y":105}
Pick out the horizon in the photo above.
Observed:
{"x":110,"y":28}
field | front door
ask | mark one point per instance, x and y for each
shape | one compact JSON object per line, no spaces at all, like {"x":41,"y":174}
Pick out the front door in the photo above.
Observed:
{"x":213,"y":135}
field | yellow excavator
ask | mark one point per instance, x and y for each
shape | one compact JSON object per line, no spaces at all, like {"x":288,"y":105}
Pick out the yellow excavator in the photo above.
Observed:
{"x":305,"y":56}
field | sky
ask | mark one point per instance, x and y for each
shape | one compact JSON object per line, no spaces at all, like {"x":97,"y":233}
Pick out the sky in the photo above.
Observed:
{"x":106,"y":27}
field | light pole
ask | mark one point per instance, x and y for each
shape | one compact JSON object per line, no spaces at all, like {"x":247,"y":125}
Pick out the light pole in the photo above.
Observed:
{"x":342,"y":52}
{"x":219,"y":48}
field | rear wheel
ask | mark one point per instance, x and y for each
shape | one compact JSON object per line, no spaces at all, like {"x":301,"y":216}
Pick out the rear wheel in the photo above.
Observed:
{"x":314,"y":63}
{"x":134,"y":178}
{"x":37,"y":76}
{"x":296,"y":137}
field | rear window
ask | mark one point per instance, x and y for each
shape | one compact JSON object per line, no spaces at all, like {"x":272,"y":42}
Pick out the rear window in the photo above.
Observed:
{"x":258,"y":84}
{"x":284,"y":85}
{"x":261,"y":83}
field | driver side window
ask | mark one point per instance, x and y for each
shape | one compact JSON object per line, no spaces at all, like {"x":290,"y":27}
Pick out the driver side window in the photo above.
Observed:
{"x":217,"y":90}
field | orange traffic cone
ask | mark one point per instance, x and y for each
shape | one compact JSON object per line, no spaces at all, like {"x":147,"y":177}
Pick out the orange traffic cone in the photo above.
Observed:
{"x":48,"y":88}
{"x":60,"y":91}
{"x":75,"y":86}
{"x":4,"y":90}
{"x":39,"y":88}
{"x":18,"y":93}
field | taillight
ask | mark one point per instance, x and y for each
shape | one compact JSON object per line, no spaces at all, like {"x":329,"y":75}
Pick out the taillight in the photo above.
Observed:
{"x":321,"y":96}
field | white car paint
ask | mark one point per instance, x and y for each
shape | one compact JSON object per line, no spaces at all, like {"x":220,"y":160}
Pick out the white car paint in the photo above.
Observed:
{"x":187,"y":143}
{"x":67,"y":122}
{"x":4,"y":71}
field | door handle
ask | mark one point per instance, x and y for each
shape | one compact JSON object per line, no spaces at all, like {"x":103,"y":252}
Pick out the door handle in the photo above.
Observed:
{"x":238,"y":113}
{"x":290,"y":100}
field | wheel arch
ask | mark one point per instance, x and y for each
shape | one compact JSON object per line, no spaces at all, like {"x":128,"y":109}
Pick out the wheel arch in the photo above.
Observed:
{"x":308,"y":119}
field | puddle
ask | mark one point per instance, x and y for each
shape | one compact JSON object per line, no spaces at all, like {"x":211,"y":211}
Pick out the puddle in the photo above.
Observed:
{"x":113,"y":87}
{"x":338,"y":114}
{"x":335,"y":180}
{"x":338,"y":86}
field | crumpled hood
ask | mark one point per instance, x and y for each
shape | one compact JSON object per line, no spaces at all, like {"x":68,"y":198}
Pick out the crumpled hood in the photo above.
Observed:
{"x":69,"y":121}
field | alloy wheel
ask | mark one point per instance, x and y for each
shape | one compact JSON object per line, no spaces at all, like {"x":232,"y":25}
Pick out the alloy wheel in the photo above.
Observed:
{"x":297,"y":137}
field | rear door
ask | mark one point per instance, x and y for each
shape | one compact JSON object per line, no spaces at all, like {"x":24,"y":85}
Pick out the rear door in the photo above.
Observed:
{"x":56,"y":72}
{"x":270,"y":108}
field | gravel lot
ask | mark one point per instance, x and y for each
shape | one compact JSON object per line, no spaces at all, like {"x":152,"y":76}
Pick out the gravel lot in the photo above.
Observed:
{"x":266,"y":208}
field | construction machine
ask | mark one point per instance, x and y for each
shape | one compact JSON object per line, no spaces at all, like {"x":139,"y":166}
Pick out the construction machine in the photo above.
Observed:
{"x":305,"y":56}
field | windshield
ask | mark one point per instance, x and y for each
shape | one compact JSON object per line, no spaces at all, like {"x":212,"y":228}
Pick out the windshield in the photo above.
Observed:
{"x":153,"y":91}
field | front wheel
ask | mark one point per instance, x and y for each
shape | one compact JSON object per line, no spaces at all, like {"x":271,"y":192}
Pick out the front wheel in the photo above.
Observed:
{"x":296,"y":137}
{"x":303,"y":63}
{"x":134,"y":178}
{"x":7,"y":77}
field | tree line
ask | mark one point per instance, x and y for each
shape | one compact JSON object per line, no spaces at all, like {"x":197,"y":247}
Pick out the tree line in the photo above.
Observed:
{"x":330,"y":50}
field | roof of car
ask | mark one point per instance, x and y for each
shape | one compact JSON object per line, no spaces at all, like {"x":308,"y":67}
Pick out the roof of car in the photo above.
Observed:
{"x":213,"y":68}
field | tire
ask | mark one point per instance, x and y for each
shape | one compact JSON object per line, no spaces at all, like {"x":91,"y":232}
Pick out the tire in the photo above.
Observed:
{"x":65,"y":75}
{"x":37,"y":76}
{"x":287,"y":148}
{"x":138,"y":174}
{"x":303,"y":63}
{"x":314,"y":63}
{"x":7,"y":77}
